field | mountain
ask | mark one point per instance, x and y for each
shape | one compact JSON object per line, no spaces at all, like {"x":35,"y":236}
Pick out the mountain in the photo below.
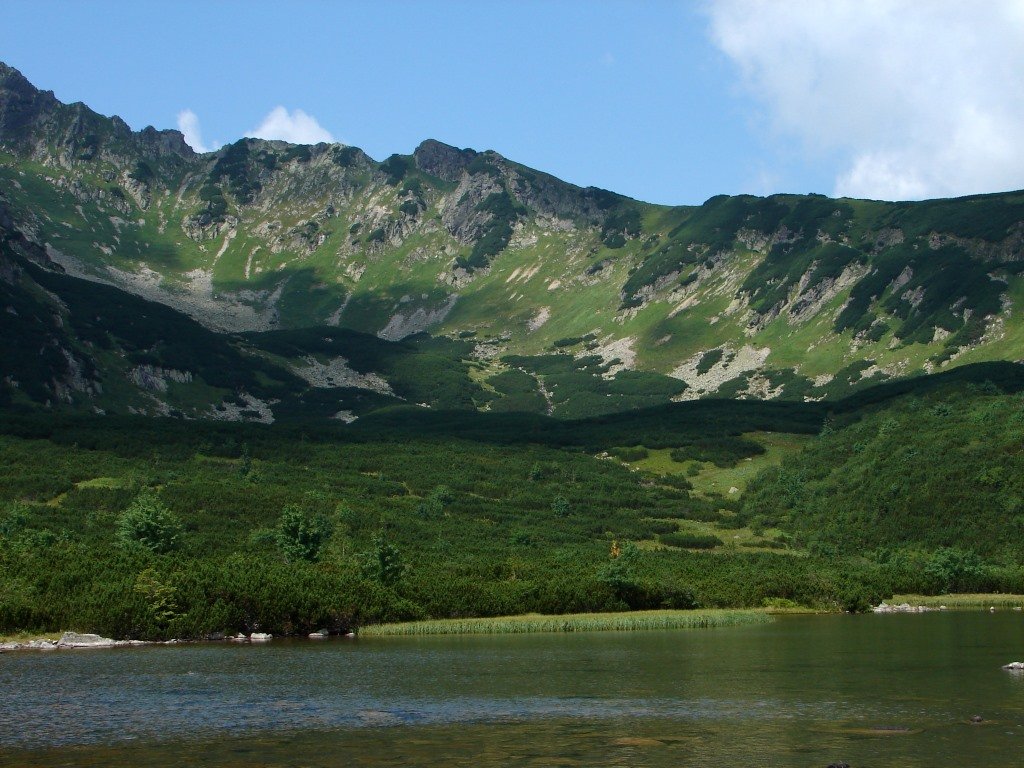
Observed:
{"x":268,"y":279}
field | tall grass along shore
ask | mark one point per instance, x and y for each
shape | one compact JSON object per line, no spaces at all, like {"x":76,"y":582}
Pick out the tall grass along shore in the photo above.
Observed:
{"x":577,"y":622}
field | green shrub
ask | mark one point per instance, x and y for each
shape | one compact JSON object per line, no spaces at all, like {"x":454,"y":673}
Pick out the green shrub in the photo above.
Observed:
{"x":690,"y":541}
{"x":302,"y":534}
{"x":396,"y":167}
{"x":636,"y":453}
{"x":561,"y":507}
{"x":384,"y":563}
{"x":662,"y":526}
{"x":147,"y":522}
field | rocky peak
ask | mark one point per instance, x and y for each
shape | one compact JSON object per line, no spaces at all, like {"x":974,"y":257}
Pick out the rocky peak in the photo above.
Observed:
{"x":166,"y":142}
{"x":12,"y":80}
{"x":442,"y":160}
{"x":21,"y":105}
{"x":31,"y":119}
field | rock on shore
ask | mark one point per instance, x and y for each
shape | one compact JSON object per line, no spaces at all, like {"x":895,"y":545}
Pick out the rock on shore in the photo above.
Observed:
{"x":70,"y":640}
{"x":903,"y":608}
{"x":78,"y":640}
{"x":31,"y":645}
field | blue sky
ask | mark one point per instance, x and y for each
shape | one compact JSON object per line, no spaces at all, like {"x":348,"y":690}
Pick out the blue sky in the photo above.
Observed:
{"x":670,"y":102}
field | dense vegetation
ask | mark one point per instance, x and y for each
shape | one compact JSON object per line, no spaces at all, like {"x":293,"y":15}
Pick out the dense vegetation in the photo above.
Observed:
{"x":143,"y":528}
{"x":929,"y":485}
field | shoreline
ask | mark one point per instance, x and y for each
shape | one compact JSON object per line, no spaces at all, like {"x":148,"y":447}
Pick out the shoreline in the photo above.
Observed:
{"x":963,"y":601}
{"x":630,"y":621}
{"x":626,"y":621}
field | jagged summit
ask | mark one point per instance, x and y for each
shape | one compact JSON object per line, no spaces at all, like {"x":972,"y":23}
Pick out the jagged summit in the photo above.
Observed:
{"x":28,"y":116}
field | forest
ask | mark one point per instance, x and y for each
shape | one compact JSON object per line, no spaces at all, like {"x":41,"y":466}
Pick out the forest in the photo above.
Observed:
{"x":158,"y":528}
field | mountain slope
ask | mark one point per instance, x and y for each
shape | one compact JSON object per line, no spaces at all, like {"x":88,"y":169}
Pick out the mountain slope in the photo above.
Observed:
{"x":568,"y":300}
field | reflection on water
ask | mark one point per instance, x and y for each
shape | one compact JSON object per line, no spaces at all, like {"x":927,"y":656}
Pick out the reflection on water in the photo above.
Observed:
{"x":804,"y":691}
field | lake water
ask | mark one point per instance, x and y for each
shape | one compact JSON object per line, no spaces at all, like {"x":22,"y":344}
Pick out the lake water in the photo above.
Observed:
{"x":873,"y":691}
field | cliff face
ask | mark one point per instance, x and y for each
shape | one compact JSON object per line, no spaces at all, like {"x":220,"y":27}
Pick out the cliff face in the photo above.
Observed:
{"x":787,"y":296}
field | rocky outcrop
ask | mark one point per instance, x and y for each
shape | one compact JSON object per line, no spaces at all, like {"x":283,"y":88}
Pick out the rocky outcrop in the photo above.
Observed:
{"x":706,"y":371}
{"x":79,"y":640}
{"x":30,"y":645}
{"x":420,"y":319}
{"x":336,"y":372}
{"x":35,"y":122}
{"x":155,"y":378}
{"x":442,"y":160}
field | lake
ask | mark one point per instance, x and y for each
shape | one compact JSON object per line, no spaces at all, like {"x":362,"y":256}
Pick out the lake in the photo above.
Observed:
{"x":874,"y":690}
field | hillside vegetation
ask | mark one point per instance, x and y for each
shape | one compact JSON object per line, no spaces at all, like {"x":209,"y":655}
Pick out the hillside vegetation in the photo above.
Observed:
{"x":925,"y":474}
{"x":143,"y":528}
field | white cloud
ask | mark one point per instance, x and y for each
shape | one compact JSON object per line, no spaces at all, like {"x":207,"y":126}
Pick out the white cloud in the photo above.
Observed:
{"x":919,"y":99}
{"x":296,"y":127}
{"x":188,"y":124}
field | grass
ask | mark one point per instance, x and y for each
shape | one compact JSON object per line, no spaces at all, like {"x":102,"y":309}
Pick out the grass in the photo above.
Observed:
{"x":25,"y":637}
{"x":732,"y":538}
{"x":104,"y":482}
{"x":961,"y":601}
{"x":577,"y":622}
{"x":712,"y":479}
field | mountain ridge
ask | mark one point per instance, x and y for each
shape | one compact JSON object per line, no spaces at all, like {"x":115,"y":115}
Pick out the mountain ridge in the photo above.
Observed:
{"x":561,"y":295}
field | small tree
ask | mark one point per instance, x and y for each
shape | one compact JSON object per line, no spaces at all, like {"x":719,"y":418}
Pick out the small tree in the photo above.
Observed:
{"x":147,"y":522}
{"x":619,"y":572}
{"x":443,"y":495}
{"x":160,"y":597}
{"x":301,"y":534}
{"x":951,"y":569}
{"x":384,"y":563}
{"x":560,"y":506}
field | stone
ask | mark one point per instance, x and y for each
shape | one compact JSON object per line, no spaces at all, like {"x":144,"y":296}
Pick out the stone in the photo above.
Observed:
{"x":901,"y":608}
{"x":260,"y":637}
{"x":1016,"y":666}
{"x":320,"y":634}
{"x":80,"y":640}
